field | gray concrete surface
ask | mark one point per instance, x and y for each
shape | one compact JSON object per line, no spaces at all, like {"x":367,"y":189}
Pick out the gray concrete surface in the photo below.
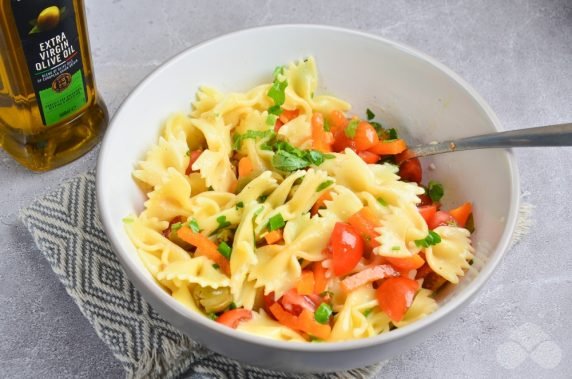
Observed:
{"x":516,"y":53}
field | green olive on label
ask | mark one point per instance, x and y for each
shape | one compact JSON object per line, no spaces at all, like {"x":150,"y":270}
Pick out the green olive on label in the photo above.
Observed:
{"x":49,"y":18}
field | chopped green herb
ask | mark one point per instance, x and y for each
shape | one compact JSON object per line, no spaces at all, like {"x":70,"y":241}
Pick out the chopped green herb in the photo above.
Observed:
{"x":279,"y":70}
{"x":212,"y":316}
{"x":435,"y":191}
{"x":351,"y":129}
{"x":392,"y":133}
{"x":210,"y":188}
{"x":277,"y":92}
{"x":127,"y":220}
{"x":382,"y":202}
{"x":216,"y":266}
{"x":271,"y":119}
{"x":262,"y":198}
{"x":259,"y":211}
{"x":188,"y":154}
{"x":324,"y":185}
{"x":378,"y":128}
{"x":251,"y":134}
{"x":288,"y":162}
{"x":370,"y":114}
{"x":323,"y":313}
{"x":367,"y":312}
{"x":327,"y":293}
{"x":431,"y":239}
{"x":194,"y":225}
{"x":275,"y":110}
{"x":239,"y":205}
{"x":276,"y":222}
{"x":225,"y":250}
{"x":327,"y":126}
{"x":396,"y":248}
{"x":232,"y":306}
{"x":315,"y":339}
{"x":176,"y":226}
{"x":222,"y":223}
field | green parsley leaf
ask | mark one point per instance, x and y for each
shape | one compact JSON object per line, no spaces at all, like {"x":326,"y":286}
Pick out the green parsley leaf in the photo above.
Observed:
{"x":382,"y":202}
{"x":262,"y":198}
{"x":378,"y":128}
{"x":232,"y":306}
{"x":176,"y":226}
{"x":239,"y":205}
{"x":323,"y":313}
{"x":431,"y":239}
{"x":212,"y":316}
{"x":279,"y":70}
{"x":370,"y":114}
{"x":188,"y":154}
{"x":216,"y":266}
{"x":224,"y":250}
{"x":128,"y":220}
{"x":251,"y":134}
{"x":288,"y":162}
{"x":277,"y":92}
{"x":392,"y":134}
{"x":435,"y":190}
{"x":324,"y":185}
{"x":276,"y":222}
{"x":194,"y":225}
{"x":275,"y":110}
{"x":222,"y":223}
{"x":351,"y":129}
{"x":210,"y":188}
{"x":327,"y":126}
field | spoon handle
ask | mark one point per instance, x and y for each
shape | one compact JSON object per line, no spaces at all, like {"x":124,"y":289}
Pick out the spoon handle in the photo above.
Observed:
{"x":551,"y":135}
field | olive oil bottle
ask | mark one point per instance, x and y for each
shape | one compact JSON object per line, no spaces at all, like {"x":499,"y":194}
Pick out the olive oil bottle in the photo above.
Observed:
{"x":50,"y":111}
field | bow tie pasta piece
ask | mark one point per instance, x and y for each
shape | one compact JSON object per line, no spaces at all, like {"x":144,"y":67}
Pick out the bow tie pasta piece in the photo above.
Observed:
{"x":179,"y":124}
{"x":298,"y":132}
{"x":262,"y":184}
{"x":399,"y":230}
{"x":170,"y":199}
{"x":278,"y":268}
{"x":198,"y":270}
{"x":243,"y":258}
{"x":208,"y":204}
{"x":379,"y":209}
{"x":263,"y":326}
{"x":343,"y":205}
{"x":360,"y":317}
{"x":206,"y":99}
{"x":166,"y":154}
{"x":422,"y":306}
{"x":451,"y":256}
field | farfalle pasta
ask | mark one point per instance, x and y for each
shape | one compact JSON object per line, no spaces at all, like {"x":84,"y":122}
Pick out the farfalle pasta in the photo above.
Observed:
{"x":274,"y":212}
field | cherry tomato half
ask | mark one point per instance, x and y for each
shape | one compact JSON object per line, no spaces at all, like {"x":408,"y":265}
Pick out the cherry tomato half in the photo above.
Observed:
{"x":347,"y":248}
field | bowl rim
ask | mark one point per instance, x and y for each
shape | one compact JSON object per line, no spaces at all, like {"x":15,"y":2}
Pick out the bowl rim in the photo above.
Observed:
{"x":443,"y":311}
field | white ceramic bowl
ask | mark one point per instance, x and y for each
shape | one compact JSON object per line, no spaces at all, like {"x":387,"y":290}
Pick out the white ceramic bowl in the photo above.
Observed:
{"x":406,"y":88}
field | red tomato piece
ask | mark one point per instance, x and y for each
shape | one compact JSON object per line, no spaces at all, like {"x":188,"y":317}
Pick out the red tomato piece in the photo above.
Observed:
{"x":296,"y":303}
{"x":347,"y":248}
{"x":395,"y":296}
{"x":233,"y":317}
{"x":441,"y":218}
{"x":410,"y":170}
{"x":366,"y":136}
{"x":194,"y":155}
{"x":425,"y":200}
{"x":341,"y":141}
{"x":427,"y":212}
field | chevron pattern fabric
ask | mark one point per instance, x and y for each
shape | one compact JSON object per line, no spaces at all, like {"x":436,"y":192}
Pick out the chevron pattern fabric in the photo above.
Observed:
{"x":66,"y":228}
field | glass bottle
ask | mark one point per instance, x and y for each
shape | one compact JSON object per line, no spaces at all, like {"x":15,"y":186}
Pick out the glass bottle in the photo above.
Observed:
{"x":50,"y":111}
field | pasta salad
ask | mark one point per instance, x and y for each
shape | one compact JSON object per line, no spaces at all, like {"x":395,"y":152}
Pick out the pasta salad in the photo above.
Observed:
{"x":274,"y":212}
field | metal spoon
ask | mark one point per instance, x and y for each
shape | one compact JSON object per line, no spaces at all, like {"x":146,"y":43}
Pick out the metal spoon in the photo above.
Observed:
{"x":551,"y":135}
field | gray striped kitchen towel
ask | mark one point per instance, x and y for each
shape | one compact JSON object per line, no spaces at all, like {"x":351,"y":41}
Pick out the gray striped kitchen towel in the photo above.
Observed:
{"x":66,"y":228}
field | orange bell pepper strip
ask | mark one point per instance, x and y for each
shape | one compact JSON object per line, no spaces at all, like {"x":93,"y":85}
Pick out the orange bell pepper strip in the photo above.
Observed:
{"x":338,"y":121}
{"x":393,"y":147}
{"x":365,"y":222}
{"x":367,"y":275}
{"x":303,"y":323}
{"x":395,"y":296}
{"x":462,"y":213}
{"x":319,"y":135}
{"x":320,"y":203}
{"x":306,"y":284}
{"x":320,"y":280}
{"x":205,"y":247}
{"x":273,"y":237}
{"x":406,"y":264}
{"x":245,"y":167}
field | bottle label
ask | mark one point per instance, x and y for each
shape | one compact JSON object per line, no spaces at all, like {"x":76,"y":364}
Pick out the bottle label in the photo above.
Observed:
{"x":50,"y":40}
